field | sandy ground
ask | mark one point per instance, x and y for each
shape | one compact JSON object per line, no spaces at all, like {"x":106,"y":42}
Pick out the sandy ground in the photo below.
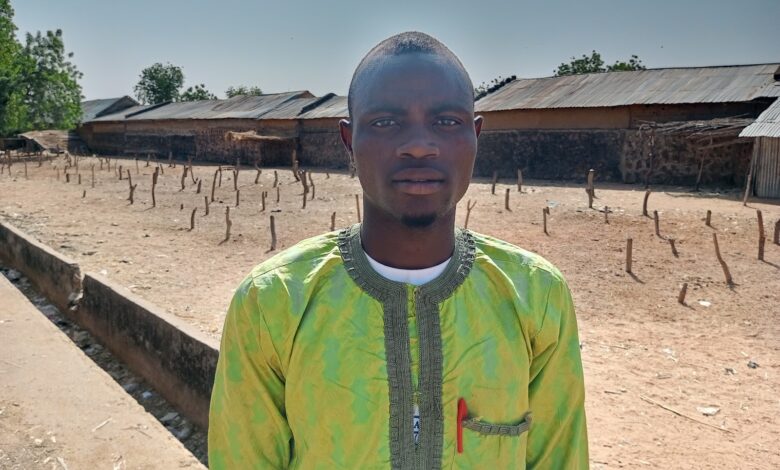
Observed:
{"x":650,"y":362}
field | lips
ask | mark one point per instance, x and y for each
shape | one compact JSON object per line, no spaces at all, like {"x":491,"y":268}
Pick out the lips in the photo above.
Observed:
{"x":419,"y":181}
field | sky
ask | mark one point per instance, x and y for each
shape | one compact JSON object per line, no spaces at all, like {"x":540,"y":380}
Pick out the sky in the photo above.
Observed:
{"x":315,"y":45}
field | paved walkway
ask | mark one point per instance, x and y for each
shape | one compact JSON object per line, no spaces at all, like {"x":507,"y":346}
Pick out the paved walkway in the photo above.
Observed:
{"x":58,"y":410}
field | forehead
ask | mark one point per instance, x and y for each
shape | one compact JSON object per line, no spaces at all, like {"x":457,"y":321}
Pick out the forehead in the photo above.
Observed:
{"x":411,"y":80}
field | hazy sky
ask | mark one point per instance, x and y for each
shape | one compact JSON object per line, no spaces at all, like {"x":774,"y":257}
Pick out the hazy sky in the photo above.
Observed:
{"x":315,"y":45}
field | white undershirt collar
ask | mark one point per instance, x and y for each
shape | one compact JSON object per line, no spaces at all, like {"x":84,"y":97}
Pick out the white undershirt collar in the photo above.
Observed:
{"x":416,"y":277}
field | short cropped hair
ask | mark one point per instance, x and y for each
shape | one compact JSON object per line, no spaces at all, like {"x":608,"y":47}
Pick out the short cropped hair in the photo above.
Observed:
{"x":410,"y":42}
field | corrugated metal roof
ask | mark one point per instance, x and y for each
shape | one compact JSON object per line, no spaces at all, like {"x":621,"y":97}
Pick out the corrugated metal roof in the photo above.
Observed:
{"x":334,"y":107}
{"x":94,"y":108}
{"x":766,"y":125}
{"x":736,"y":83}
{"x":238,"y":107}
{"x":121,"y":115}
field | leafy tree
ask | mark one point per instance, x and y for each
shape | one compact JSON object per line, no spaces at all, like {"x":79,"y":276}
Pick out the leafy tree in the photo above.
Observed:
{"x":594,"y":63}
{"x":9,"y":65}
{"x":159,"y":83}
{"x":243,"y":90}
{"x":197,"y":93}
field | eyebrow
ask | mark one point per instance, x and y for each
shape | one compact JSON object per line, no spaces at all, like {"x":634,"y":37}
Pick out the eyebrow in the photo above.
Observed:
{"x":391,"y":109}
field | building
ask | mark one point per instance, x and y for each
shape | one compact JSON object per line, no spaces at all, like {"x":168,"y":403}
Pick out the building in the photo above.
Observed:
{"x":766,"y":151}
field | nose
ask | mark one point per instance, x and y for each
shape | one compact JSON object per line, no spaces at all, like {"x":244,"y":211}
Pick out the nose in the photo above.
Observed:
{"x":418,"y":145}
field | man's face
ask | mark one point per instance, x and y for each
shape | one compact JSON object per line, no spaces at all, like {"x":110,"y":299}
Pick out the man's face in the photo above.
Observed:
{"x":413,"y":136}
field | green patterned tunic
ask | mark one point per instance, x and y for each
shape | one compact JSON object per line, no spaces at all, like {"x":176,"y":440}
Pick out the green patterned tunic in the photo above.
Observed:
{"x":322,"y":360}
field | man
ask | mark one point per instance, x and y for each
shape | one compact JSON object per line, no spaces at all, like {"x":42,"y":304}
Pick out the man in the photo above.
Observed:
{"x":403,"y":342}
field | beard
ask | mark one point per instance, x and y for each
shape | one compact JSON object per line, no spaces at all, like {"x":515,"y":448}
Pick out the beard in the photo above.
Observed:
{"x":419,"y":221}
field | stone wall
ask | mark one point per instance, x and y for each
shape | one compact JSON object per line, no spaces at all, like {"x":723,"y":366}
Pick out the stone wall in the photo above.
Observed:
{"x":323,"y":149}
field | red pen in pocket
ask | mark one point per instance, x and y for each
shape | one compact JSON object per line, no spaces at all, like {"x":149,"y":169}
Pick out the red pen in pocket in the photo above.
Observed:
{"x":463,"y":411}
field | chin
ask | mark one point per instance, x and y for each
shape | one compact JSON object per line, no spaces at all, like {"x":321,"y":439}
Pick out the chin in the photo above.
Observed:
{"x":419,"y":220}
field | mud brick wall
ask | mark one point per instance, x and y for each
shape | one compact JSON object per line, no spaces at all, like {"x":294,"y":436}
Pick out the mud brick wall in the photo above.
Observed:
{"x":323,"y":149}
{"x":550,"y":154}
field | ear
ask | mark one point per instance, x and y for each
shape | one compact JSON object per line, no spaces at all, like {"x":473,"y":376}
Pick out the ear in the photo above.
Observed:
{"x":478,"y":124}
{"x":345,"y":129}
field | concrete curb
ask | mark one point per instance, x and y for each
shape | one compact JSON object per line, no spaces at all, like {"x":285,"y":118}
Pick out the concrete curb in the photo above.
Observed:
{"x":176,"y":358}
{"x":53,"y":274}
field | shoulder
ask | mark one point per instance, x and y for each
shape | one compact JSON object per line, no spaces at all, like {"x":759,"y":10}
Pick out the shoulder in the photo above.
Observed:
{"x":298,"y":259}
{"x":515,"y":260}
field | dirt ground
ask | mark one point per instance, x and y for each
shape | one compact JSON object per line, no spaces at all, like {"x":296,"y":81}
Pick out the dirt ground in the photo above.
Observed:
{"x":650,"y":362}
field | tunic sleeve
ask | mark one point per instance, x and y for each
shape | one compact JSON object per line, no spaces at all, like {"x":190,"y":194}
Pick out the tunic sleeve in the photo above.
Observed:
{"x":247,"y":421}
{"x":558,"y":436}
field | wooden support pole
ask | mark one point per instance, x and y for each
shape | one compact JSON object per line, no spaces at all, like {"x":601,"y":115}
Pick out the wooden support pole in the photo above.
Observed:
{"x":276,"y":179}
{"x":723,"y":264}
{"x":137,"y":170}
{"x":183,"y":177}
{"x":235,"y":180}
{"x":305,"y":197}
{"x":629,"y":254}
{"x":154,"y":184}
{"x":120,"y":172}
{"x":545,"y":213}
{"x":644,"y":204}
{"x":357,"y":206}
{"x":192,"y":174}
{"x":257,"y":176}
{"x":708,"y":219}
{"x":199,"y":183}
{"x":67,"y":176}
{"x":129,"y":178}
{"x":93,"y":175}
{"x":506,"y":201}
{"x":206,"y":202}
{"x":228,"y":223}
{"x":313,"y":190}
{"x":262,"y":200}
{"x":657,"y":228}
{"x":591,"y":187}
{"x":333,"y":222}
{"x":238,"y":197}
{"x":277,"y":194}
{"x":83,"y":194}
{"x":749,"y":181}
{"x":170,"y":159}
{"x":219,"y":170}
{"x":192,"y":219}
{"x":519,"y":180}
{"x":25,"y":169}
{"x":674,"y":248}
{"x":327,"y":175}
{"x":132,"y":191}
{"x":606,"y":214}
{"x":761,"y":235}
{"x":214,"y":185}
{"x":495,"y":180}
{"x":681,"y":295}
{"x":273,"y":234}
{"x":79,"y":175}
{"x":469,"y":207}
{"x":162,"y":171}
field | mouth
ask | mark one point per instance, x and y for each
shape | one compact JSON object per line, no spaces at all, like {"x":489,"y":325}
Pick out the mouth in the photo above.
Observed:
{"x":419,"y":181}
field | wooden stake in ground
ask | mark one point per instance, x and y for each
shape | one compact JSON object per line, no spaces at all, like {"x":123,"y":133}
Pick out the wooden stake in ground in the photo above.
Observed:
{"x":79,"y":175}
{"x":644,"y":204}
{"x":683,"y":291}
{"x":590,"y":189}
{"x":199,"y":183}
{"x":495,"y":180}
{"x":154,"y":184}
{"x":313,"y":190}
{"x":220,"y":176}
{"x":129,"y":178}
{"x":262,"y":200}
{"x":25,"y":169}
{"x":545,"y":213}
{"x":749,"y":180}
{"x":183,"y":177}
{"x":93,"y":175}
{"x":273,"y":234}
{"x":777,"y":232}
{"x":761,"y":235}
{"x":333,"y":222}
{"x":238,"y":196}
{"x":132,"y":191}
{"x":235,"y":179}
{"x":519,"y":180}
{"x":606,"y":214}
{"x":469,"y":207}
{"x":657,"y":228}
{"x":84,"y":194}
{"x":708,"y":220}
{"x":120,"y":172}
{"x":148,"y":157}
{"x":257,"y":176}
{"x":206,"y":201}
{"x":629,"y":254}
{"x":723,"y":264}
{"x":357,"y":206}
{"x":170,"y":159}
{"x":276,"y":179}
{"x":137,"y":170}
{"x":506,"y":201}
{"x":214,"y":185}
{"x":277,"y":194}
{"x":674,"y":248}
{"x":192,"y":219}
{"x":228,"y":224}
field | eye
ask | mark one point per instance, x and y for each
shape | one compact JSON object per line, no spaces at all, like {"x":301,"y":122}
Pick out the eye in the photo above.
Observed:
{"x":447,"y":122}
{"x":384,"y":122}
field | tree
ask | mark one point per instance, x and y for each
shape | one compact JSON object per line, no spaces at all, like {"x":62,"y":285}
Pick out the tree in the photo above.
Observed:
{"x":594,"y":63}
{"x":197,"y":93}
{"x":159,"y":83}
{"x":9,"y":65}
{"x":243,"y":90}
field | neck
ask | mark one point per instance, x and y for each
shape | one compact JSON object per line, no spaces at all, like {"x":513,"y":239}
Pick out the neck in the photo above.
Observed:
{"x":390,"y":242}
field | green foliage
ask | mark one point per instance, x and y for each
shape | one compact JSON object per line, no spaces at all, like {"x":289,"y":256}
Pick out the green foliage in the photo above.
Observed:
{"x":39,"y":86}
{"x":594,"y":63}
{"x":159,"y":83}
{"x":243,"y":90}
{"x":197,"y":93}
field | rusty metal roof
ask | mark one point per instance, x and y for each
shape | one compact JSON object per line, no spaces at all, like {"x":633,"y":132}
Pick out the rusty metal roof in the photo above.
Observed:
{"x":722,"y":84}
{"x":333,"y":107}
{"x":766,"y":125}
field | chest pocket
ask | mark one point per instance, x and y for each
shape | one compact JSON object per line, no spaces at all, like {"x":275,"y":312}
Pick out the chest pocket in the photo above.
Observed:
{"x":499,"y":446}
